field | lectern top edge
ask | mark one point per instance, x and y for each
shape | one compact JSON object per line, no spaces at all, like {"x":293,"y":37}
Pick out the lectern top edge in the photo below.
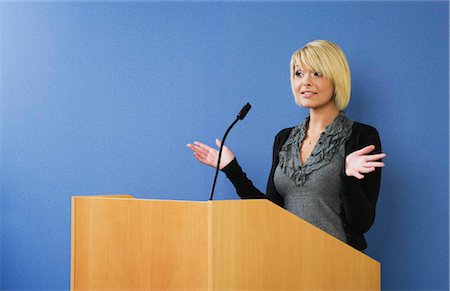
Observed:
{"x":131,"y":197}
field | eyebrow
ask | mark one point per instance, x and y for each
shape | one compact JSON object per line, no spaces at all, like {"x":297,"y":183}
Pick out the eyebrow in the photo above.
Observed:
{"x":303,"y":69}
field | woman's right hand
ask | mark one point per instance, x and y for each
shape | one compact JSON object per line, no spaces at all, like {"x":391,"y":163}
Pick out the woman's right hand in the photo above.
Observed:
{"x":208,"y":155}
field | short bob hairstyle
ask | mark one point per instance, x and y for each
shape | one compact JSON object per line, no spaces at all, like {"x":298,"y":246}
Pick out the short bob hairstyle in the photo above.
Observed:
{"x":327,"y":58}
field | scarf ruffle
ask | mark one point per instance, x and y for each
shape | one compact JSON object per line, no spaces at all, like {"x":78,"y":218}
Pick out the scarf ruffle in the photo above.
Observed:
{"x":329,"y":142}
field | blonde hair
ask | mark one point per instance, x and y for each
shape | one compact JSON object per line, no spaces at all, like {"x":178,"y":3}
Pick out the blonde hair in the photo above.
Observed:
{"x":329,"y":59}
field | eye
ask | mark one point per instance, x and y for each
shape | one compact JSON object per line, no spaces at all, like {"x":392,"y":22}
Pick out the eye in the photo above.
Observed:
{"x":318,"y":74}
{"x":299,"y":74}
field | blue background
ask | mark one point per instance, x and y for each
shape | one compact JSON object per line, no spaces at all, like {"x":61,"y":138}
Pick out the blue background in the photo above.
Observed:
{"x":102,"y":97}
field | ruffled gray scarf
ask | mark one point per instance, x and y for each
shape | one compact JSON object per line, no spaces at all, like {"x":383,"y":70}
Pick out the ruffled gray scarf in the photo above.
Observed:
{"x":329,"y":142}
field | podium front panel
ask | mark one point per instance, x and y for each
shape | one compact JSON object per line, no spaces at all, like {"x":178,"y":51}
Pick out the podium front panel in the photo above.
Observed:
{"x":136,"y":244}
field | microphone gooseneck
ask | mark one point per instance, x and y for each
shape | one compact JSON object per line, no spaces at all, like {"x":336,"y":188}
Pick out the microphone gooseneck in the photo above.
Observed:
{"x":240,"y":116}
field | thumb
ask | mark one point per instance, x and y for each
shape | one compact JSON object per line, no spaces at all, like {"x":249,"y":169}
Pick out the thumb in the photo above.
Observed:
{"x":218,"y":142}
{"x":365,"y":150}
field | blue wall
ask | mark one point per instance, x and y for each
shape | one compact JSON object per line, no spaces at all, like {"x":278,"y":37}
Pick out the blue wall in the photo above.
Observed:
{"x":102,"y":97}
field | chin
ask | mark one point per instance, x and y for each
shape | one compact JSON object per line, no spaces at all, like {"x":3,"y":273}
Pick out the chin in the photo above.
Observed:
{"x":302,"y":103}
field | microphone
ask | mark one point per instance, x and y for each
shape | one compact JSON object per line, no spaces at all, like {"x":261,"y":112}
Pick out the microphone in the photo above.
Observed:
{"x":244,"y":111}
{"x":240,"y":116}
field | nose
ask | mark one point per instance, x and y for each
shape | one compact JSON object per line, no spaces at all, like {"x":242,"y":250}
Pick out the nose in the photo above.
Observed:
{"x":306,"y":80}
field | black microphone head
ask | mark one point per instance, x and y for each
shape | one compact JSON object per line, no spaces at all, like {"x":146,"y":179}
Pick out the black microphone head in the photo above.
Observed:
{"x":244,"y":111}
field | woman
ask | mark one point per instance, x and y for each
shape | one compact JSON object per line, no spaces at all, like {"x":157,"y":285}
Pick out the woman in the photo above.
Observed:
{"x":327,"y":169}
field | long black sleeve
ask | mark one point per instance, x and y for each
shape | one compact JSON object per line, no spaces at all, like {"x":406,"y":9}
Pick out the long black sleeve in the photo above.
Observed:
{"x":244,"y":186}
{"x":359,"y":197}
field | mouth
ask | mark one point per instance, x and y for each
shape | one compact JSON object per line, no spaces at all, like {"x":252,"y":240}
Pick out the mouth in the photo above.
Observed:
{"x":308,"y":94}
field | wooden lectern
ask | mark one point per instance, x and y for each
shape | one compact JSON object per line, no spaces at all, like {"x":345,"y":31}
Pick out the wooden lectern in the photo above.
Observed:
{"x":123,"y":243}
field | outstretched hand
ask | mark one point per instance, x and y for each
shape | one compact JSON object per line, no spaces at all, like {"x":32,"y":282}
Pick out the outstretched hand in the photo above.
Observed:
{"x":360,"y":162}
{"x":208,"y":155}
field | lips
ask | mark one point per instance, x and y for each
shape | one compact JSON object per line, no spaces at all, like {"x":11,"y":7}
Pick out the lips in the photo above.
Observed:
{"x":308,"y":94}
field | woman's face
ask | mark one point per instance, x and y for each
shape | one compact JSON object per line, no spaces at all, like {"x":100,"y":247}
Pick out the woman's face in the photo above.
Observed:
{"x":311,"y":89}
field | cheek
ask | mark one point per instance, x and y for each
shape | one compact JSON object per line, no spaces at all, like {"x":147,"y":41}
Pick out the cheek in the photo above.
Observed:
{"x":330,"y":91}
{"x":296,"y":85}
{"x":327,"y":89}
{"x":330,"y":88}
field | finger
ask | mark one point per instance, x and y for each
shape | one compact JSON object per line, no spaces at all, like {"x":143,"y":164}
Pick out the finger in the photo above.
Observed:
{"x":201,"y":151}
{"x":196,"y":149}
{"x":374,"y":164}
{"x":367,"y":170}
{"x":355,"y":174}
{"x":200,"y":155}
{"x":375,"y":157}
{"x":192,"y":147}
{"x":203,"y":146}
{"x":205,"y":157}
{"x":203,"y":161}
{"x":365,"y":150}
{"x":358,"y":176}
{"x":219,"y":143}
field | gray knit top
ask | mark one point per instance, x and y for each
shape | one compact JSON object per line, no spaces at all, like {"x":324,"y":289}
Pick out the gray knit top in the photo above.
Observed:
{"x":313,"y":191}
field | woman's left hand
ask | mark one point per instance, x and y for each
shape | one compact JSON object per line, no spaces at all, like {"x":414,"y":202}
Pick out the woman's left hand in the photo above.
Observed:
{"x":360,"y":162}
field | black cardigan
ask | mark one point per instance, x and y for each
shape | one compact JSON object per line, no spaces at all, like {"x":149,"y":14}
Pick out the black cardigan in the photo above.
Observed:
{"x":359,"y":197}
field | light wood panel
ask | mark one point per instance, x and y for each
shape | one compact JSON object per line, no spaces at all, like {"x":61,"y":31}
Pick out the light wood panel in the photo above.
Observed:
{"x":133,"y":244}
{"x":257,"y":245}
{"x":121,"y":243}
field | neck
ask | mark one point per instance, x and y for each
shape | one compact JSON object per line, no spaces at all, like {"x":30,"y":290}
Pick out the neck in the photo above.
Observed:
{"x":321,"y":117}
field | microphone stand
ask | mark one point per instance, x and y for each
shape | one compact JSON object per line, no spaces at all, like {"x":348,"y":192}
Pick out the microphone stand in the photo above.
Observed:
{"x":240,"y":116}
